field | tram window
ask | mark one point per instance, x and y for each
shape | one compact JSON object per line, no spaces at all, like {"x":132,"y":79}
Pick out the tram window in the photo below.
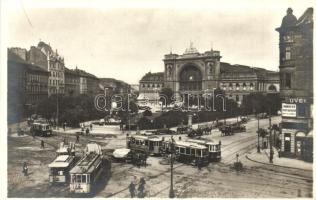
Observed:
{"x":88,"y":178}
{"x":198,"y":152}
{"x":73,"y":178}
{"x":60,"y":173}
{"x":182,"y":150}
{"x":192,"y":151}
{"x":84,"y":178}
{"x":78,"y":178}
{"x":187,"y":151}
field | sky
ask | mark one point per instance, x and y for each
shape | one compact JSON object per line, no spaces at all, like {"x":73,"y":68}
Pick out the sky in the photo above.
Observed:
{"x":126,"y":39}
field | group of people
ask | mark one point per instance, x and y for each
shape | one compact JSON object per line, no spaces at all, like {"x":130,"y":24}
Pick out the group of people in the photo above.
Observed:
{"x":140,"y":192}
{"x":139,"y":159}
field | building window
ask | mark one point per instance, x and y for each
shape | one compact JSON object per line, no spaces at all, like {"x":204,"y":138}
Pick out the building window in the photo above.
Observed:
{"x":272,"y":88}
{"x":237,"y":98}
{"x":251,"y":86}
{"x":237,"y":86}
{"x":287,"y":53}
{"x":244,"y":86}
{"x":287,"y":82}
{"x":301,"y":110}
{"x":230,"y":86}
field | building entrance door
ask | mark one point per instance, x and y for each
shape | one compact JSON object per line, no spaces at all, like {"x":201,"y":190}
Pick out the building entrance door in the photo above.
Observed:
{"x":287,"y":142}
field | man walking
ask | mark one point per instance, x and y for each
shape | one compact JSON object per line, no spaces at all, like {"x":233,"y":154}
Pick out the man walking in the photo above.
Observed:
{"x":141,"y":188}
{"x":77,"y":136}
{"x":42,"y":144}
{"x":131,"y":188}
{"x":25,"y":169}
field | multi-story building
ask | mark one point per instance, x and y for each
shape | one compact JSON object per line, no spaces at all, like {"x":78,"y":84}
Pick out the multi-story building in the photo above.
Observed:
{"x":27,"y":85}
{"x":44,"y":56}
{"x":195,"y":74}
{"x":115,"y":86}
{"x":72,"y":82}
{"x":88,"y":83}
{"x":296,"y":91}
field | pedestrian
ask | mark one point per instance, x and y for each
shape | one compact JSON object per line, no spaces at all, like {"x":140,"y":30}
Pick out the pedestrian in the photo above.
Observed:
{"x":87,"y":131}
{"x":91,"y":126}
{"x":141,"y":188}
{"x":77,"y":136}
{"x":25,"y":169}
{"x":199,"y":164}
{"x":131,"y":188}
{"x":42,"y":144}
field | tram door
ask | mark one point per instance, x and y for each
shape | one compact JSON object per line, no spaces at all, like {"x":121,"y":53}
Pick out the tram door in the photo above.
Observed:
{"x":287,"y":142}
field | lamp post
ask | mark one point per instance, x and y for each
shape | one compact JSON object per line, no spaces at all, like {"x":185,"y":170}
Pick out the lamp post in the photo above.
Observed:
{"x":57,"y":109}
{"x":171,"y":191}
{"x":270,"y":139}
{"x":258,"y":146}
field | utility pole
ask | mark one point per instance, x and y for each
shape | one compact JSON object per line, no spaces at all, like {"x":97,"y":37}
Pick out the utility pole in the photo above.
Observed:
{"x":258,"y":146}
{"x":171,"y":192}
{"x":270,"y":139}
{"x":57,"y":112}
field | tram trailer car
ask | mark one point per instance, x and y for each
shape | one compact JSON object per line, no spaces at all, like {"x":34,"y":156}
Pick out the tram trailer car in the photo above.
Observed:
{"x":41,"y":129}
{"x":214,"y":148}
{"x":147,"y":144}
{"x":88,"y":171}
{"x":60,"y":167}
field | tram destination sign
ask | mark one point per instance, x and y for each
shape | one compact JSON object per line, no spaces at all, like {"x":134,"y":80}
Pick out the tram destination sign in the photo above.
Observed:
{"x":288,"y":110}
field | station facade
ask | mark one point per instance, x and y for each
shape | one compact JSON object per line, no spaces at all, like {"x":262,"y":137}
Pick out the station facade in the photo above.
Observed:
{"x":196,"y":74}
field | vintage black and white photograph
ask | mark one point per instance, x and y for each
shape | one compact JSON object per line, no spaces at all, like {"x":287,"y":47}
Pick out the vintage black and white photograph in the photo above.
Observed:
{"x":157,"y":99}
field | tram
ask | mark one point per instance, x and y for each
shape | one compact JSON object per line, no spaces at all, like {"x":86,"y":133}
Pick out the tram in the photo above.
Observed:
{"x":42,"y":129}
{"x":149,"y":144}
{"x":87,"y":172}
{"x":191,"y":153}
{"x":214,"y":148}
{"x":60,"y":167}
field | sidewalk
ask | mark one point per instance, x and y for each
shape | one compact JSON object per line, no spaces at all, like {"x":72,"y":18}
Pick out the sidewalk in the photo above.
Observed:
{"x":263,"y":157}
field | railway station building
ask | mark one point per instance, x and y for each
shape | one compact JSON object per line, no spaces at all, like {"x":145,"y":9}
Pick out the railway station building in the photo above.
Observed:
{"x":296,"y":89}
{"x":196,"y":74}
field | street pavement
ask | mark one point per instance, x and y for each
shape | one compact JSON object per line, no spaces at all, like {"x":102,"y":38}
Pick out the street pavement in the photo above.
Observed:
{"x":215,"y":180}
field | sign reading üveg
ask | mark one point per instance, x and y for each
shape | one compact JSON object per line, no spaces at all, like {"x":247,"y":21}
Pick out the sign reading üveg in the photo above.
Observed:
{"x":288,"y":110}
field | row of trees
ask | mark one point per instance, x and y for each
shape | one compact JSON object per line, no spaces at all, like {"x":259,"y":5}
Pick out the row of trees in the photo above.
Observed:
{"x":76,"y":109}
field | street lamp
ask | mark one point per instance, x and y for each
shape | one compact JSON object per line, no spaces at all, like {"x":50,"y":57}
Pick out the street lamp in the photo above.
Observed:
{"x":171,"y":192}
{"x":258,"y":146}
{"x":270,"y":139}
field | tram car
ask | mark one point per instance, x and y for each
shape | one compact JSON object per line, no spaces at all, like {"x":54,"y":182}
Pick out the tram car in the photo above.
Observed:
{"x":41,"y":129}
{"x":214,"y":148}
{"x":88,"y":171}
{"x":60,"y":167}
{"x":147,"y":144}
{"x":191,"y":153}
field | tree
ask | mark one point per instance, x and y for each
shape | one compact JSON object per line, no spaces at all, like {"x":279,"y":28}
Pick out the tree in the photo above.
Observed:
{"x":166,"y":95}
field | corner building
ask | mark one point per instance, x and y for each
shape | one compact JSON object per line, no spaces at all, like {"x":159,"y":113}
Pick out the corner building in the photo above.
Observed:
{"x":296,"y":76}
